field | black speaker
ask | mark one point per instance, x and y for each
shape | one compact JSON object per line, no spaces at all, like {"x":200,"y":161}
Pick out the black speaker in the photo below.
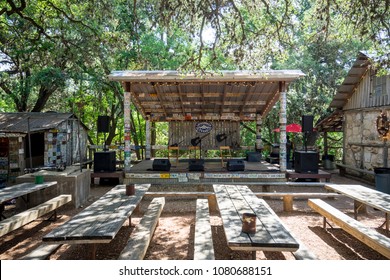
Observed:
{"x":196,"y":165}
{"x":104,"y":161}
{"x":253,"y":157}
{"x":307,"y":123}
{"x":235,"y":165}
{"x":160,"y":164}
{"x":103,"y":124}
{"x":306,"y":162}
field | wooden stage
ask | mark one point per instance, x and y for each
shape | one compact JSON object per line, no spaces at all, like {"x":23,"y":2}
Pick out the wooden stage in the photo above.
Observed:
{"x":213,"y":172}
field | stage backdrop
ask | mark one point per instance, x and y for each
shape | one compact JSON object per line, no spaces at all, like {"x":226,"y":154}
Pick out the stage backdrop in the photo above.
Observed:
{"x":210,"y":134}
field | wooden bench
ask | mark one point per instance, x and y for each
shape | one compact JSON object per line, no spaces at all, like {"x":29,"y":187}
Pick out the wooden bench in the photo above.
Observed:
{"x":138,"y":243}
{"x":42,"y":252}
{"x":288,"y":197}
{"x":33,"y":213}
{"x":203,"y":244}
{"x":343,"y":167}
{"x":369,"y":236}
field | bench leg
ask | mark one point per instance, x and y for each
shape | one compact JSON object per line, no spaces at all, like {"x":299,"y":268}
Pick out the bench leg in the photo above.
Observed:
{"x":359,"y":207}
{"x":93,"y":251}
{"x":324,"y":222}
{"x":288,"y":203}
{"x":212,"y":203}
{"x":253,"y":255}
{"x":265,"y":188}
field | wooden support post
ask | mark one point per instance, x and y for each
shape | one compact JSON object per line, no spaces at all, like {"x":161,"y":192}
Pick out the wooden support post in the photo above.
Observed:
{"x":148,"y":141}
{"x":259,"y":123}
{"x":127,"y":128}
{"x":282,"y":125}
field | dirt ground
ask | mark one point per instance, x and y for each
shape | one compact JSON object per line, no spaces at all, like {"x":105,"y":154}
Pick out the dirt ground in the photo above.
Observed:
{"x":174,"y":237}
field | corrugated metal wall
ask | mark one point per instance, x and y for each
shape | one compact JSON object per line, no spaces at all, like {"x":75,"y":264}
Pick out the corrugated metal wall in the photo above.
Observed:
{"x":364,"y":97}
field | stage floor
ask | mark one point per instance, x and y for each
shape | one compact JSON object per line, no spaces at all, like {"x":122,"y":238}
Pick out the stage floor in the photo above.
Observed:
{"x":213,"y":172}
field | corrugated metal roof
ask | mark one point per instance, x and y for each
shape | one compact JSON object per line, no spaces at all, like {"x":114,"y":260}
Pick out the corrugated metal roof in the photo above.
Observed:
{"x":226,"y":95}
{"x":20,"y":122}
{"x":351,"y":81}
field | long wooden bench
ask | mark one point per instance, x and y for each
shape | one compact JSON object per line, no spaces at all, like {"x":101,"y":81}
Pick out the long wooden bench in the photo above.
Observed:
{"x":343,"y":167}
{"x":370,"y":237}
{"x":289,"y":197}
{"x":138,"y":243}
{"x":27,"y":216}
{"x":42,"y":252}
{"x":203,"y":244}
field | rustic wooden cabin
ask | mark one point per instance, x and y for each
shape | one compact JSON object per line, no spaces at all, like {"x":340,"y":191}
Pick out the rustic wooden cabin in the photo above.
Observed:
{"x":204,"y":112}
{"x":38,"y":140}
{"x":358,"y":106}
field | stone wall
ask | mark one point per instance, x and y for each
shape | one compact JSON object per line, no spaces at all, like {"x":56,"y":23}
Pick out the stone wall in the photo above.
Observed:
{"x":363,"y":148}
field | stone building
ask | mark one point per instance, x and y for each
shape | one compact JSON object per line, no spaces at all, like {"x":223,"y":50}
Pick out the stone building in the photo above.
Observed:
{"x":357,"y":107}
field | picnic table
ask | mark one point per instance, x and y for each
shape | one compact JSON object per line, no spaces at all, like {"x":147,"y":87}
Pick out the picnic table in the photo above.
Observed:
{"x":101,"y":221}
{"x":364,"y":196}
{"x":20,"y":190}
{"x":271,"y":235}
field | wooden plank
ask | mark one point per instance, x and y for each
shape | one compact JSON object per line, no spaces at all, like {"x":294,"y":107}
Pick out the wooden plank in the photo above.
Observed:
{"x":31,"y":214}
{"x":140,"y":239}
{"x":231,"y":220}
{"x":369,"y":236}
{"x":100,"y":222}
{"x":203,"y":243}
{"x":22,"y":189}
{"x":43,"y":252}
{"x":273,"y":224}
{"x":262,"y":237}
{"x":370,"y":197}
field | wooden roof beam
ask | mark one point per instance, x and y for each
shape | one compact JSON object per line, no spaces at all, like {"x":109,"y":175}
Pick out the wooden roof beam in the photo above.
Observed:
{"x":179,"y":90}
{"x":246,"y":97}
{"x":158,"y":93}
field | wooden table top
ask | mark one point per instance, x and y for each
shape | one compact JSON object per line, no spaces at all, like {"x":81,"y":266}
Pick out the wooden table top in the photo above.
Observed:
{"x":370,"y":197}
{"x":271,"y":234}
{"x":101,"y":221}
{"x":19,"y":190}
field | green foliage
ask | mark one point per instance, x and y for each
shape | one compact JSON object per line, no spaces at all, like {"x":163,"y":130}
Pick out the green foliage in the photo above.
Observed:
{"x":55,"y":55}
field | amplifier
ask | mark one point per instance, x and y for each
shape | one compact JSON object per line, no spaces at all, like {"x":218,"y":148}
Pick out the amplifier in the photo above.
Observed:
{"x":235,"y":165}
{"x":253,"y":156}
{"x":161,"y":164}
{"x":196,"y":165}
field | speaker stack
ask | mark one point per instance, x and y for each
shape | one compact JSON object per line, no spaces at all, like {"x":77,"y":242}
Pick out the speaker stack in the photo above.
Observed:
{"x":104,"y":161}
{"x":306,"y":162}
{"x":103,"y":124}
{"x":161,"y":164}
{"x":235,"y":165}
{"x":307,"y":123}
